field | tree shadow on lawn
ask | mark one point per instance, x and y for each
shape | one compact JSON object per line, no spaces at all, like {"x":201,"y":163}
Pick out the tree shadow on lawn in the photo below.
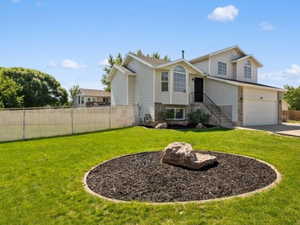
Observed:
{"x":65,"y":135}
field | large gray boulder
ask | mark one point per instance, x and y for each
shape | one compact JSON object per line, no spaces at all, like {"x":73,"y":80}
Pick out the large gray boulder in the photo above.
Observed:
{"x":182,"y":154}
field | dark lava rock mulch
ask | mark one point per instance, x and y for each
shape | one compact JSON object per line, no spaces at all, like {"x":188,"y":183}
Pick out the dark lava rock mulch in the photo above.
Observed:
{"x":142,"y":177}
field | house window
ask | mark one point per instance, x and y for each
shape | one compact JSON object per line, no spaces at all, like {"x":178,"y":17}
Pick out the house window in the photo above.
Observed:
{"x":248,"y":69}
{"x":175,"y":114}
{"x":164,"y":81}
{"x":222,"y":68}
{"x":78,"y":100}
{"x":179,"y":79}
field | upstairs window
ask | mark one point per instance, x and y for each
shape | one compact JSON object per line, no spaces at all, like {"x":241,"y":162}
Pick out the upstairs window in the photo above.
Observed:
{"x":222,"y":69}
{"x":248,"y":70}
{"x":164,"y":81}
{"x":179,"y":79}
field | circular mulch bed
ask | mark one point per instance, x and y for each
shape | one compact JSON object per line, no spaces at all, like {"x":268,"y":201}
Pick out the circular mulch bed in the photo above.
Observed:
{"x":142,"y":177}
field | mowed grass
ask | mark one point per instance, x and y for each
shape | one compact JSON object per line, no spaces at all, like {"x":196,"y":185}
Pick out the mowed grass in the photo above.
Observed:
{"x":294,"y":121}
{"x":41,"y":180}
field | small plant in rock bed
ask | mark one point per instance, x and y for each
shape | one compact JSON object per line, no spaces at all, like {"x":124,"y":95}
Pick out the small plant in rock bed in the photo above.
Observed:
{"x":197,"y":117}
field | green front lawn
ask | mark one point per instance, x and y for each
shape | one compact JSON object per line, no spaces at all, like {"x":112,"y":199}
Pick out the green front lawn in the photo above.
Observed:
{"x":41,"y":180}
{"x":293,"y":121}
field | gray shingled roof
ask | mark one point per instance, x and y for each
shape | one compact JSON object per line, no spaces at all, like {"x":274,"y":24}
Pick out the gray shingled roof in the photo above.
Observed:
{"x":94,"y":92}
{"x":245,"y":82}
{"x":152,"y":61}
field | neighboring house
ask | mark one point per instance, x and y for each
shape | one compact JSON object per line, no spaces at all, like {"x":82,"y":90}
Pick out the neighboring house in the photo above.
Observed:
{"x":91,"y":97}
{"x":222,"y":83}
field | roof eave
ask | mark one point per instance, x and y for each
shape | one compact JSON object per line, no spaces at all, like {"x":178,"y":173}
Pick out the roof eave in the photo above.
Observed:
{"x":179,"y":61}
{"x":246,"y":85}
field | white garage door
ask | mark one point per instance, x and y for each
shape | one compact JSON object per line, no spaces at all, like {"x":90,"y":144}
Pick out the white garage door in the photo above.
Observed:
{"x":260,"y":107}
{"x":260,"y":113}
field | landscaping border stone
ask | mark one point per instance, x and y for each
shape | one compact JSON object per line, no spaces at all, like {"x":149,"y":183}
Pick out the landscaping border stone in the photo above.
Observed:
{"x":244,"y":195}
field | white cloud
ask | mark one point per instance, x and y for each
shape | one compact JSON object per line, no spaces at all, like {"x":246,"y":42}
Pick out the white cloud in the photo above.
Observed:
{"x":289,"y":76}
{"x":266,"y":26}
{"x":294,"y":69}
{"x":71,"y":64}
{"x":67,"y":64}
{"x":52,"y":64}
{"x":15,"y":1}
{"x":224,"y":14}
{"x":103,"y":62}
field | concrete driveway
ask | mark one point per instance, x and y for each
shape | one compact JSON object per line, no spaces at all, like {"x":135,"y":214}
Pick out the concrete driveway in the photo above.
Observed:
{"x":290,"y":129}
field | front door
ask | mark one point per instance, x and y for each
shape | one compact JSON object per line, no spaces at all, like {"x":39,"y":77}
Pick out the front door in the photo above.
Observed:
{"x":198,"y":87}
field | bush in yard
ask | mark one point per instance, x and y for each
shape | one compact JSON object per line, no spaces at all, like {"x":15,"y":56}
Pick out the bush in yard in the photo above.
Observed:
{"x":198,"y":116}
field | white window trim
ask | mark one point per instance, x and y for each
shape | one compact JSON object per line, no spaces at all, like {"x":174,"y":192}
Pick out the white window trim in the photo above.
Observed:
{"x":161,"y":81}
{"x":176,"y":108}
{"x":249,"y":66}
{"x":223,"y":75}
{"x":186,"y":74}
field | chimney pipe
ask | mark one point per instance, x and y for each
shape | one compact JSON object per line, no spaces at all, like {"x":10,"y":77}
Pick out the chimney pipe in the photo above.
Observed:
{"x":182,"y":54}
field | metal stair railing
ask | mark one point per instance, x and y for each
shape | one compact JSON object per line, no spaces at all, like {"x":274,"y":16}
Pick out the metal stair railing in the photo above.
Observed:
{"x":216,"y":110}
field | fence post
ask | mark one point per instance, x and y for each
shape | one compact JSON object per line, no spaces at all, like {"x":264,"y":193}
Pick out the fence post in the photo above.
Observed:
{"x":110,"y":117}
{"x":23,"y":125}
{"x":72,"y":120}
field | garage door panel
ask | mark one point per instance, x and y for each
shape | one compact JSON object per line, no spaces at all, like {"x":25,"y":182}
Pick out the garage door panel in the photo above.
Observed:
{"x":259,"y":112}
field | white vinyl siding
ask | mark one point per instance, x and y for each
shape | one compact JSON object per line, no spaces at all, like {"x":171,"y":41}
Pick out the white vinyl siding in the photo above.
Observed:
{"x":131,"y":90}
{"x":225,"y":57}
{"x":144,"y":96}
{"x":224,"y":95}
{"x":119,"y":90}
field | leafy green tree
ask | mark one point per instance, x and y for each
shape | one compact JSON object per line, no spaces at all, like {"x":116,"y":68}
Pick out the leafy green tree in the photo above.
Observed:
{"x":10,"y":96}
{"x":74,"y":91}
{"x":38,"y":88}
{"x":292,"y":97}
{"x":111,"y":61}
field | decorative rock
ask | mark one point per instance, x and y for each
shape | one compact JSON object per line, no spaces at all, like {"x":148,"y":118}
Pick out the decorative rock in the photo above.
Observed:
{"x":200,"y":125}
{"x":204,"y":161}
{"x":161,"y":126}
{"x":181,"y":154}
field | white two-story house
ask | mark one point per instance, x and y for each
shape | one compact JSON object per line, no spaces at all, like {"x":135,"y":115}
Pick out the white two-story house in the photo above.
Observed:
{"x":224,"y":83}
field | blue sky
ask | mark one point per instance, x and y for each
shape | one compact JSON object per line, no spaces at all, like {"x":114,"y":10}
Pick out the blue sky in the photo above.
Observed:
{"x":71,"y":39}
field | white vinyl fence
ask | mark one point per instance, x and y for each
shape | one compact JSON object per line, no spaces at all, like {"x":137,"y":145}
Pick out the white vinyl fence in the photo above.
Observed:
{"x":36,"y":123}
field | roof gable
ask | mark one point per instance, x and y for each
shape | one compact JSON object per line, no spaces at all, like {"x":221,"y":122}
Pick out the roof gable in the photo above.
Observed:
{"x":190,"y":66}
{"x":123,"y":69}
{"x":248,"y":57}
{"x":205,"y":57}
